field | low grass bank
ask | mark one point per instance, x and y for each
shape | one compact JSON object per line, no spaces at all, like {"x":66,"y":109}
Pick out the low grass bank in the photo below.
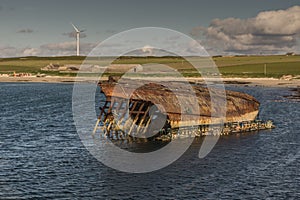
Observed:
{"x":237,"y":66}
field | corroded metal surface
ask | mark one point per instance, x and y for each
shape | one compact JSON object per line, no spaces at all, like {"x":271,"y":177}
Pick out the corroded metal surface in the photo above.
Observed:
{"x":183,"y":112}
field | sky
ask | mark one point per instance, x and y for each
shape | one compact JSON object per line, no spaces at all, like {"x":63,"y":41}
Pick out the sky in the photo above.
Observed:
{"x":42,"y":27}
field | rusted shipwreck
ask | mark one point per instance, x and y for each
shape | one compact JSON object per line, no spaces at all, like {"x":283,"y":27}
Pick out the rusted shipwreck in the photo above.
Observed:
{"x":146,"y":110}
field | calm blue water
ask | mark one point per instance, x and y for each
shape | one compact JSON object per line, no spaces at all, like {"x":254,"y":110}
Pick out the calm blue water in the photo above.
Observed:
{"x":41,"y":155}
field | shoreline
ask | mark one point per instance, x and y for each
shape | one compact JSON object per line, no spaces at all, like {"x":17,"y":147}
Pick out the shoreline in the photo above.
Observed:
{"x":267,"y":82}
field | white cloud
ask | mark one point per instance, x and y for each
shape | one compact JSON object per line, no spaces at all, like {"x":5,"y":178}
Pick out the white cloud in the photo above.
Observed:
{"x":51,"y":49}
{"x":8,"y":51}
{"x":268,"y":32}
{"x":31,"y":52}
{"x":148,"y":49}
{"x":66,"y":48}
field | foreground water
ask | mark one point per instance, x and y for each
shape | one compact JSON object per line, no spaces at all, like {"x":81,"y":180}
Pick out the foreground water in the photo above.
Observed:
{"x":41,"y":154}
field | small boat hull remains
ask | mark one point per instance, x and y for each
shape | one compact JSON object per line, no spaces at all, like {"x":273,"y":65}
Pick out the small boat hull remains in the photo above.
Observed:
{"x":141,"y":110}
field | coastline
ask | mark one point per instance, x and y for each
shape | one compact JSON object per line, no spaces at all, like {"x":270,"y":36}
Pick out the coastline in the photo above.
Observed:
{"x":267,"y":82}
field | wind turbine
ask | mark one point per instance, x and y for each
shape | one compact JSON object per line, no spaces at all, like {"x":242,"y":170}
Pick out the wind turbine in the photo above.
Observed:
{"x":77,"y":37}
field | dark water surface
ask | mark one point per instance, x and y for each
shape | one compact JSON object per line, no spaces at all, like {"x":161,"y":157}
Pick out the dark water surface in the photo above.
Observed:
{"x":41,"y":155}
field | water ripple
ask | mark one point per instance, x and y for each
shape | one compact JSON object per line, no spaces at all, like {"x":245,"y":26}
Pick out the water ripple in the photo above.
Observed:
{"x":41,"y":155}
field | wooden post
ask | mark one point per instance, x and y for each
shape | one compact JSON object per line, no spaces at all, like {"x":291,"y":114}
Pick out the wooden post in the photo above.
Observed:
{"x":265,"y":69}
{"x":143,"y":119}
{"x":120,"y":120}
{"x":133,"y":107}
{"x":96,"y":126}
{"x":136,"y":117}
{"x":108,"y":111}
{"x":99,"y":118}
{"x":147,"y":124}
{"x":108,"y":128}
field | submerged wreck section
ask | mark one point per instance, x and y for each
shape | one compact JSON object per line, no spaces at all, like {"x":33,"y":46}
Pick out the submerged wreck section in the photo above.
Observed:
{"x":141,"y":109}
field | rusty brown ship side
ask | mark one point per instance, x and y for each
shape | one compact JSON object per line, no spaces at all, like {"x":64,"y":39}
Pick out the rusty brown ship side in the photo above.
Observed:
{"x":129,"y":105}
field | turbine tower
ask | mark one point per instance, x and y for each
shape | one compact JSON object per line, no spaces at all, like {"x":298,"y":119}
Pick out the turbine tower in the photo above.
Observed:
{"x":77,"y":37}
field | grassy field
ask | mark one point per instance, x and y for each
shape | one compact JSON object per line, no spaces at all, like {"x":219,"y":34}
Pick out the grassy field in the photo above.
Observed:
{"x":237,"y":66}
{"x":34,"y":64}
{"x":254,"y":66}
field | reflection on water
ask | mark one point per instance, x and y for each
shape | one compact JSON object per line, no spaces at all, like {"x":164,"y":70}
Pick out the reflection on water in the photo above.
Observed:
{"x":41,"y":154}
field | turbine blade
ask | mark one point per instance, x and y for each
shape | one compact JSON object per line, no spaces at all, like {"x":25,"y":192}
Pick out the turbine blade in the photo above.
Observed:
{"x":76,"y":29}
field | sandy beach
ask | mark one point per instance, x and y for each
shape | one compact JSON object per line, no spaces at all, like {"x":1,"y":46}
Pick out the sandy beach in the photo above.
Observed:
{"x":268,"y":82}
